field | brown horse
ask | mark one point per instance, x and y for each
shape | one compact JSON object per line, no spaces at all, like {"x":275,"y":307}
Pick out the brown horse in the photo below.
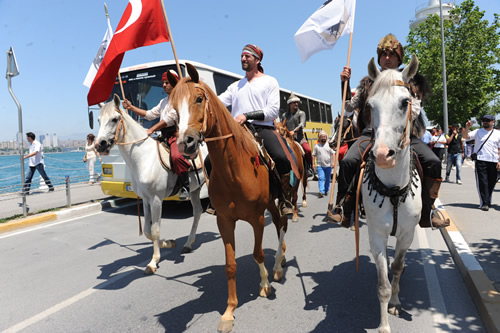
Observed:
{"x":239,"y":180}
{"x":299,"y":155}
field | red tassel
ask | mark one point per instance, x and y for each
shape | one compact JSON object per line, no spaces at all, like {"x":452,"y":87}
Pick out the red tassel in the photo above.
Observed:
{"x":257,"y":160}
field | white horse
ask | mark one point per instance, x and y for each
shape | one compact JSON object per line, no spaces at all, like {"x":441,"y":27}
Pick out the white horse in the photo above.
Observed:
{"x":150,"y":180}
{"x":391,"y":186}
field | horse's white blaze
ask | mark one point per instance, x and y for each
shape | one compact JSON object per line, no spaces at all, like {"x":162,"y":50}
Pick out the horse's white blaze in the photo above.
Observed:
{"x":183,"y":119}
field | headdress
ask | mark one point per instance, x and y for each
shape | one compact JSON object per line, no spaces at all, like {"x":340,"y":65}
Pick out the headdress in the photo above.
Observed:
{"x":164,"y":76}
{"x":390,"y":44}
{"x":292,"y":99}
{"x":256,"y":52}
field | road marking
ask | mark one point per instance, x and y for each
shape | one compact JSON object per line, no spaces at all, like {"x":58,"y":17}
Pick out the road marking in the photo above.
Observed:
{"x":438,"y":307}
{"x":64,"y":304}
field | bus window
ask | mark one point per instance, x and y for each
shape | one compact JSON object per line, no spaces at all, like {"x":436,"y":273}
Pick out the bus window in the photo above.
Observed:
{"x":322,"y":112}
{"x":221,"y":82}
{"x":314,"y":111}
{"x":329,"y":118}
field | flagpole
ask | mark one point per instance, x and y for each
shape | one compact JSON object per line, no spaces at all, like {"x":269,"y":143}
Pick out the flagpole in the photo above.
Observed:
{"x":336,"y":158}
{"x":171,"y":39}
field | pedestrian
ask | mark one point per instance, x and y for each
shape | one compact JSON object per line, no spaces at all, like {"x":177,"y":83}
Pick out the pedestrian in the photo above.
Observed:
{"x":295,"y":122}
{"x":36,"y":162}
{"x":256,"y":99}
{"x":168,"y":127}
{"x":455,"y":153}
{"x":91,"y":155}
{"x":487,"y":158}
{"x":324,"y":156}
{"x":390,"y":54}
{"x":439,"y":144}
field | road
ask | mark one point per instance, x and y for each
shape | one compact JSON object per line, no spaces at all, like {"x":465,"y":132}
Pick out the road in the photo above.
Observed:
{"x":86,"y":275}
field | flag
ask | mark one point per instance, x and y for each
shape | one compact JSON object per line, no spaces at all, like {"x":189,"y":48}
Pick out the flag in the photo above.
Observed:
{"x":334,"y":19}
{"x":142,"y":24}
{"x":99,"y":56}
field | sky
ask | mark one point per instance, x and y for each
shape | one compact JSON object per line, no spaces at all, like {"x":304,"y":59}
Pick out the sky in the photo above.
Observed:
{"x":55,"y":42}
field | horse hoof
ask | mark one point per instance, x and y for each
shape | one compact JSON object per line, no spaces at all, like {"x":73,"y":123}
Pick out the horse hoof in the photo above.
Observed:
{"x":168,"y":244}
{"x":295,"y":219}
{"x":265,"y":291}
{"x":278,"y":275}
{"x":186,"y":249}
{"x":394,"y":310}
{"x":304,"y":204}
{"x":225,"y":326}
{"x":149,"y":270}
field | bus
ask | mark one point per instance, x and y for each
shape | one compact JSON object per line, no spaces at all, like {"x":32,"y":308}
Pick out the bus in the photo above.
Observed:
{"x":143,"y":87}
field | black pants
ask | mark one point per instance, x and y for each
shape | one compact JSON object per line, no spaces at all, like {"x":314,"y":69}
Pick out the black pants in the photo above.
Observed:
{"x":486,"y":178}
{"x":349,"y":166}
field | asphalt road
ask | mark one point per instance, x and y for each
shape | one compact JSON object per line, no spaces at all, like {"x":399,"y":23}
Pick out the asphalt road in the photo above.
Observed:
{"x":86,"y":275}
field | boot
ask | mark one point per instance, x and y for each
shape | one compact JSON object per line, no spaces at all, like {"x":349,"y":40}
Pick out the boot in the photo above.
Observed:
{"x":429,"y":218}
{"x":285,"y":196}
{"x":342,"y":211}
{"x":184,"y":191}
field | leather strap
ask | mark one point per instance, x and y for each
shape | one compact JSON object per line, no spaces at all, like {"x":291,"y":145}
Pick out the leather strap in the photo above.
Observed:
{"x":288,"y":155}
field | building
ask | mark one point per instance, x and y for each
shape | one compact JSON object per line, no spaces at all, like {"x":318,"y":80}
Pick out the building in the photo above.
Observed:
{"x":430,"y":8}
{"x":55,"y":141}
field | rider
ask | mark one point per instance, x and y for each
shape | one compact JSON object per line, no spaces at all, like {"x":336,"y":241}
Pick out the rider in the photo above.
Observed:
{"x":168,"y":127}
{"x":295,"y":122}
{"x":256,"y":98}
{"x":390,"y":56}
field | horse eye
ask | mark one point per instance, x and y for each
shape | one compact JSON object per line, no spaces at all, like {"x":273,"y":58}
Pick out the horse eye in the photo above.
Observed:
{"x":114,"y":120}
{"x":199,"y":99}
{"x":404,"y":103}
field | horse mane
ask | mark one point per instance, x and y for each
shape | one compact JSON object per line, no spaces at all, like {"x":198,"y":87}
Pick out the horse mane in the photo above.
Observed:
{"x":187,"y":87}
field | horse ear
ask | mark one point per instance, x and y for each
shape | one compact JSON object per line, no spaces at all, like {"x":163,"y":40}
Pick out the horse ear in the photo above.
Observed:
{"x":411,"y":69}
{"x":116,"y":100}
{"x":193,"y":73}
{"x":373,"y":70}
{"x":172,"y":79}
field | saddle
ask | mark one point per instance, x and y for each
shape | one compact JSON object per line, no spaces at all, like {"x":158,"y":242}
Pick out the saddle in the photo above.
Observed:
{"x":166,"y":162}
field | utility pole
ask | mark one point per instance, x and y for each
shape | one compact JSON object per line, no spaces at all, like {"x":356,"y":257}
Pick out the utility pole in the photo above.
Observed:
{"x":445,"y":92}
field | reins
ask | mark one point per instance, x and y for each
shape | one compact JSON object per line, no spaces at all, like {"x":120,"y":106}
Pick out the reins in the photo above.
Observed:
{"x":121,"y":124}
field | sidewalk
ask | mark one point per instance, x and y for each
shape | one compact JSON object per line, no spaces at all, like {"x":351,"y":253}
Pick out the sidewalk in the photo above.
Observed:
{"x":474,"y":242}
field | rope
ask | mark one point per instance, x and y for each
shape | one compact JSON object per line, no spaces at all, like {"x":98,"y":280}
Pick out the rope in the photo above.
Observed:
{"x":9,"y":166}
{"x":57,"y":159}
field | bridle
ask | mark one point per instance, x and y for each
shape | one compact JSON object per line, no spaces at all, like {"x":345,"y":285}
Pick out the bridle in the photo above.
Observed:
{"x":405,"y":138}
{"x":121,"y":124}
{"x":205,"y":120}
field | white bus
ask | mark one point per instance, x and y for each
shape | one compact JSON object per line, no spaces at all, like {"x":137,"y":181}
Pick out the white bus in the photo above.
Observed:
{"x":143,"y":87}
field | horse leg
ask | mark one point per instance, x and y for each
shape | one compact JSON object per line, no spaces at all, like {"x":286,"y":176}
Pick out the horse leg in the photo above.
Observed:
{"x":295,"y":197}
{"x":226,"y":229}
{"x":197,"y":210}
{"x":378,"y":246}
{"x":281,"y":224}
{"x":397,"y":268}
{"x":258,"y":255}
{"x":152,"y":216}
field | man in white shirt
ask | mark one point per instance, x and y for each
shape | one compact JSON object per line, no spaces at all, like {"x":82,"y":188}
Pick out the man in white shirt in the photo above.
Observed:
{"x":439,"y":141}
{"x":35,"y":156}
{"x":487,"y":150}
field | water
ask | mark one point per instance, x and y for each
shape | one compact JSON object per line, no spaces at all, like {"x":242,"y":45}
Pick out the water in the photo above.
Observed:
{"x":57,"y":166}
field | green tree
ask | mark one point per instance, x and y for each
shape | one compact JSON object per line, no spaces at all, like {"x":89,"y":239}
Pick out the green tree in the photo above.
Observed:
{"x":472,"y":57}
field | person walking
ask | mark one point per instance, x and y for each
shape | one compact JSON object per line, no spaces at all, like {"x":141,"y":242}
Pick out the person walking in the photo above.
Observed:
{"x":324,"y":156}
{"x":91,"y":155}
{"x":439,"y":144}
{"x":36,"y":162}
{"x":486,"y":156}
{"x":455,"y":153}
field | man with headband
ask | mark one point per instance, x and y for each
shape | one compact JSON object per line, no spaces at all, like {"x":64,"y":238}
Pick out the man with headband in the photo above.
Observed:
{"x":256,"y":99}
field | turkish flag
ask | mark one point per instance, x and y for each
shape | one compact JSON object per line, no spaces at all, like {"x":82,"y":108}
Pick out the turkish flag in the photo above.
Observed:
{"x":142,"y":24}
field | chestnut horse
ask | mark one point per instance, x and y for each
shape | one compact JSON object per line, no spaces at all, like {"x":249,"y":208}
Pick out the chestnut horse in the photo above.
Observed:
{"x":239,"y":180}
{"x":299,"y":155}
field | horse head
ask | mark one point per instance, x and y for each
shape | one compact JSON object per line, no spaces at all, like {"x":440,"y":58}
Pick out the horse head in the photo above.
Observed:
{"x":190,"y":98}
{"x":390,"y":103}
{"x":109,"y":120}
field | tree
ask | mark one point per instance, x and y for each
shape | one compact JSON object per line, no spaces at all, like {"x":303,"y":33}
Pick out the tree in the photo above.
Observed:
{"x":472,"y":52}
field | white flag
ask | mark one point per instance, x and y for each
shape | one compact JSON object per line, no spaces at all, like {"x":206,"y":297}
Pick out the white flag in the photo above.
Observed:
{"x":94,"y":67}
{"x":334,"y":19}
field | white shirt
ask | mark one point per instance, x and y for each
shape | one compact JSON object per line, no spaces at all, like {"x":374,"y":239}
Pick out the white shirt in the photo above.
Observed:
{"x":165,"y":111}
{"x":38,"y":157}
{"x":263,"y":93}
{"x":323,"y":154}
{"x":436,"y":138}
{"x":489,"y":152}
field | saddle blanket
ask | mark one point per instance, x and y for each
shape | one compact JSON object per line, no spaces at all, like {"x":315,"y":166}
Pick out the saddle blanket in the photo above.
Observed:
{"x":166,"y":163}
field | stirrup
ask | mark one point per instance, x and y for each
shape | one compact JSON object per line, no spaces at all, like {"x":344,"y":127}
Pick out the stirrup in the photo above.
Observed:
{"x":439,"y":215}
{"x":184,"y":194}
{"x":330,"y":216}
{"x":286,"y":208}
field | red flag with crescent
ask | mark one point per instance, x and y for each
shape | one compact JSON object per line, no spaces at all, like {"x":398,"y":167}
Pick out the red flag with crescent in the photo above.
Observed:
{"x":142,"y":24}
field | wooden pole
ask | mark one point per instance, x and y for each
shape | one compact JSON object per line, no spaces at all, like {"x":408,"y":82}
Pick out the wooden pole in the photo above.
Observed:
{"x":336,"y":158}
{"x":171,"y":38}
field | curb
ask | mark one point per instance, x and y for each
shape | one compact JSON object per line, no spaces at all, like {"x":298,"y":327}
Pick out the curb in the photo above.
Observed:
{"x":80,"y":210}
{"x":483,"y":293}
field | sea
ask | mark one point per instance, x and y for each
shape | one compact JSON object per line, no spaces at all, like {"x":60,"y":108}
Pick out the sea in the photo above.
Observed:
{"x":57,"y":166}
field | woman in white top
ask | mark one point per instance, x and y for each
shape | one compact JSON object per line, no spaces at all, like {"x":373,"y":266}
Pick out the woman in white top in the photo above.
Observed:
{"x":90,"y":157}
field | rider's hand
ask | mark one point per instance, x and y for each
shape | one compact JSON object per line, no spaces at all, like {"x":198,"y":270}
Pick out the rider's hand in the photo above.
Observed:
{"x":240,"y":119}
{"x":126,"y":104}
{"x":345,"y":75}
{"x":149,"y":132}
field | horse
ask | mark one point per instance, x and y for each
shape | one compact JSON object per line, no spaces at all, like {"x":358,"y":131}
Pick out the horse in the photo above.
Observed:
{"x":239,"y":180}
{"x":299,"y":155}
{"x":391,"y":172}
{"x":150,"y":180}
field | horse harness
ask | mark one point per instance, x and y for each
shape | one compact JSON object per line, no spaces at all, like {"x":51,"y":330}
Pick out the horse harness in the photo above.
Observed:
{"x":121,"y":124}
